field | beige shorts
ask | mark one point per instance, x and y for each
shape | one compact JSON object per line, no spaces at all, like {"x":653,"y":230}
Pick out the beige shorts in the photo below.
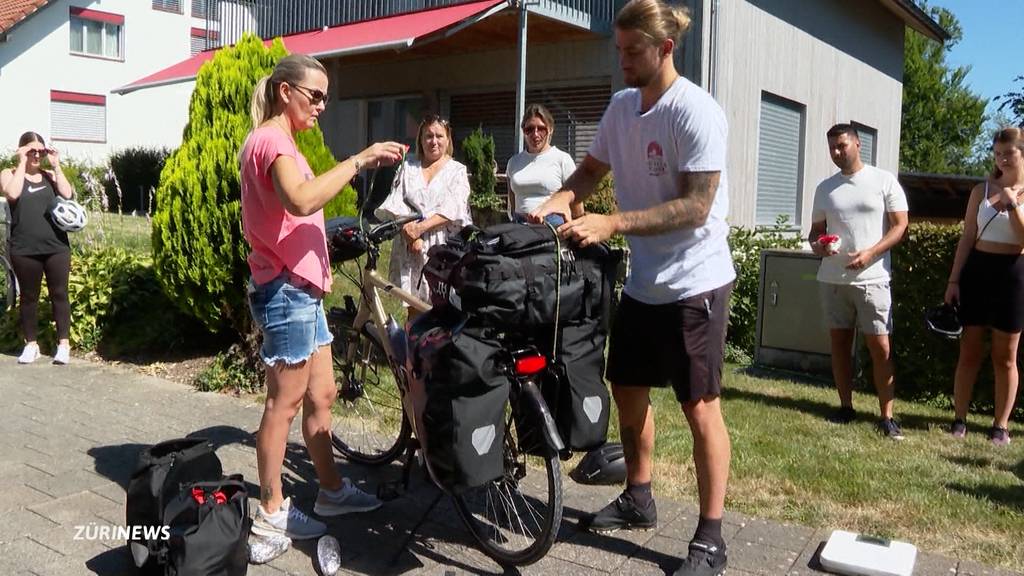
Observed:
{"x":867,"y":305}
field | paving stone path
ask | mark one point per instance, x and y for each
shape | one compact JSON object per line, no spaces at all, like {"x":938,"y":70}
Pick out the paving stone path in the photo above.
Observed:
{"x":70,"y":437}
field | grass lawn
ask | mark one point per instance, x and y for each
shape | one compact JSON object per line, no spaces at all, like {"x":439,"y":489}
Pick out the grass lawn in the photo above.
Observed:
{"x":107,"y":229}
{"x":958,"y":498}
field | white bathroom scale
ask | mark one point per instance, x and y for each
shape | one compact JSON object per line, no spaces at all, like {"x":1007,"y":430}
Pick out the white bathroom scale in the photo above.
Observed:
{"x":860,"y":555}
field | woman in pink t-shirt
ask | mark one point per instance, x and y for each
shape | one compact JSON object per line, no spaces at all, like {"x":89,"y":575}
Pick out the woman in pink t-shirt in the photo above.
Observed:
{"x":283,"y":221}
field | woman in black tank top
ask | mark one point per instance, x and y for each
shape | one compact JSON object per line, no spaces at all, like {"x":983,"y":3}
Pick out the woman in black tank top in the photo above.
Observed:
{"x":37,"y":247}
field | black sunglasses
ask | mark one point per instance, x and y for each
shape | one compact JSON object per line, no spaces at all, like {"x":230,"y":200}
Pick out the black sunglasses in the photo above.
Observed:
{"x":36,"y":152}
{"x":315,"y":95}
{"x":432,"y":118}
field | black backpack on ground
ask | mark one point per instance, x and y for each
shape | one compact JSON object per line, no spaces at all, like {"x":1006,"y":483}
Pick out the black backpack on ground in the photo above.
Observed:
{"x":462,"y":390}
{"x":162,"y":526}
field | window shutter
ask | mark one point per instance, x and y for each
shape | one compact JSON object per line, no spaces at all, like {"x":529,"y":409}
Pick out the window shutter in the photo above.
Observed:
{"x":779,"y":161}
{"x":867,"y":144}
{"x":78,"y":121}
{"x":577,"y":111}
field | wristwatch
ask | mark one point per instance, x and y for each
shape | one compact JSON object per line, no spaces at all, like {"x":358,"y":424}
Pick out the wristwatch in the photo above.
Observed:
{"x":357,"y":163}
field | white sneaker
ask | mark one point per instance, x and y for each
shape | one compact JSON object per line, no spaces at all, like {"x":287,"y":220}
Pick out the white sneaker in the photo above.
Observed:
{"x":287,"y":521}
{"x":30,"y":354}
{"x":63,"y":355}
{"x":346,"y":499}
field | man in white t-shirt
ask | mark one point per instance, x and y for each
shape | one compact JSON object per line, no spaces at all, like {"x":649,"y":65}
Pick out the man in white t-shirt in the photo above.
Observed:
{"x":665,"y":140}
{"x":859,"y":214}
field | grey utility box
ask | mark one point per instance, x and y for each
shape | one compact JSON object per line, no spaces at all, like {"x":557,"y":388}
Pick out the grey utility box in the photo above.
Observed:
{"x":791,"y":331}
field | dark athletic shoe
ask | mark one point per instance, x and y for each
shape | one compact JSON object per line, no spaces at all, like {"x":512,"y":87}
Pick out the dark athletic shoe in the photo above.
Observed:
{"x":999,"y":436}
{"x":958,"y":429}
{"x":890,"y":429}
{"x":844,"y":415}
{"x":624,"y":514}
{"x":703,"y":560}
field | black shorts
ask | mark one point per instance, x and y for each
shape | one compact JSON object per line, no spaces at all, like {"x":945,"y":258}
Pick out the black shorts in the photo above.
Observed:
{"x":681,"y":344}
{"x":992,"y":291}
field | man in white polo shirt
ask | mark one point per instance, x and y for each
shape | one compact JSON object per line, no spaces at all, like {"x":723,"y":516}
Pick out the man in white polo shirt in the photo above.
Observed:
{"x":665,"y":140}
{"x":862,"y":210}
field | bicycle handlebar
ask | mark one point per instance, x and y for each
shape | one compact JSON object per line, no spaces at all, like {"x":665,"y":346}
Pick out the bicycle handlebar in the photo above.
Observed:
{"x":387,"y":230}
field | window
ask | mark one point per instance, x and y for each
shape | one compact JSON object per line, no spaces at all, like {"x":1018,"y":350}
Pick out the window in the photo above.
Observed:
{"x":202,"y":39}
{"x":780,"y":160}
{"x":867,"y":143}
{"x":167,"y":5}
{"x":204,"y":9}
{"x":95,"y":33}
{"x":78,"y":117}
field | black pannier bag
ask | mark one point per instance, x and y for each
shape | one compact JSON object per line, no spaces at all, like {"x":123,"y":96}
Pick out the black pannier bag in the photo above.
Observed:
{"x":462,"y":391}
{"x":509,"y":275}
{"x":161,"y":472}
{"x":209,"y":529}
{"x":574,"y":387}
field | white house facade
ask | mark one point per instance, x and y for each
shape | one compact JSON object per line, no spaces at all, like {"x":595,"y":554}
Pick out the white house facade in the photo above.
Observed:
{"x":60,"y":59}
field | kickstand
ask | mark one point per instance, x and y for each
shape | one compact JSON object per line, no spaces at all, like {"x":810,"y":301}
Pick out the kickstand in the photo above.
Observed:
{"x":396,"y":488}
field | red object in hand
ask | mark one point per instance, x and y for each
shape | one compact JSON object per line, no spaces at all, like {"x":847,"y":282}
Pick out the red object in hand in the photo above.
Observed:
{"x":827,"y":239}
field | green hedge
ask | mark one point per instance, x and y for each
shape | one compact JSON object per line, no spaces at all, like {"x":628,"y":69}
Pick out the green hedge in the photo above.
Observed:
{"x":117,"y":308}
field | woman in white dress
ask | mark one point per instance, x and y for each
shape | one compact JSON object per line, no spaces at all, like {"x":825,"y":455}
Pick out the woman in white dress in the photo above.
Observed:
{"x":436,"y":186}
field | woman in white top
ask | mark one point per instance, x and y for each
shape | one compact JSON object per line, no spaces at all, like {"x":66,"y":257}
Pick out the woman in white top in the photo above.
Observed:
{"x":436,"y":186}
{"x":539,"y":171}
{"x":987,"y":281}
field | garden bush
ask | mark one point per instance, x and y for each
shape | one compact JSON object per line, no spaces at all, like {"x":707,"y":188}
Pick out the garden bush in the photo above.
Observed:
{"x":137,"y":170}
{"x":199,"y":251}
{"x":478,"y":154}
{"x":117,"y":307}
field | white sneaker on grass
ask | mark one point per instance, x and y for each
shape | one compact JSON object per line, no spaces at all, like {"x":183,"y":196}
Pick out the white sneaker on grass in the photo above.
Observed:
{"x":346,"y":499}
{"x":30,"y":354}
{"x":63,"y":355}
{"x":287,"y":521}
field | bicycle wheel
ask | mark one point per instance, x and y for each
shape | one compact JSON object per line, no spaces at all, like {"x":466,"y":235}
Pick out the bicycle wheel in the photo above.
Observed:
{"x":515,"y":518}
{"x":369,"y":424}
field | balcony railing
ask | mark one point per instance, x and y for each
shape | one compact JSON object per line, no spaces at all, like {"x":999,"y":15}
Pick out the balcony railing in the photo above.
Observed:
{"x":269,"y":18}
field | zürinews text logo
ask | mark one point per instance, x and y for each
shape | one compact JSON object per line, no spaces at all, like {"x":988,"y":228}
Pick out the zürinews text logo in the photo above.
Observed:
{"x":94,"y":531}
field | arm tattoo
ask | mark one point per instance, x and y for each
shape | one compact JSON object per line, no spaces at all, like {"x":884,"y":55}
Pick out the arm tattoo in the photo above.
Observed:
{"x":690,"y":210}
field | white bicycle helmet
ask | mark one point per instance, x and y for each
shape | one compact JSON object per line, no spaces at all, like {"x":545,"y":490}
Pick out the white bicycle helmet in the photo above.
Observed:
{"x":69,"y":215}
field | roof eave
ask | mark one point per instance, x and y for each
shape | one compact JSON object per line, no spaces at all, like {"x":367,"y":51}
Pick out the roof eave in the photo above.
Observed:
{"x":4,"y":33}
{"x":918,"y":19}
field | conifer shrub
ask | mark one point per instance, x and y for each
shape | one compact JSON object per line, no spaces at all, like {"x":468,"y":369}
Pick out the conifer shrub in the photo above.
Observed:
{"x":198,"y":248}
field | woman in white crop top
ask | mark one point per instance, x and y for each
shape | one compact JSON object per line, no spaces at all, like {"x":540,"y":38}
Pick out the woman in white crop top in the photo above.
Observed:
{"x":987,"y":281}
{"x":539,"y":171}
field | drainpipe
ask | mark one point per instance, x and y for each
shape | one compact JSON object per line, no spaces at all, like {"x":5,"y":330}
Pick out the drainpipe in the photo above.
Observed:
{"x":520,"y":73}
{"x":713,"y":49}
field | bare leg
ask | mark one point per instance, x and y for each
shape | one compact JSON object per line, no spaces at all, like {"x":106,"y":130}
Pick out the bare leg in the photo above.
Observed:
{"x":286,"y":387}
{"x":711,"y":453}
{"x":881,"y":367}
{"x":842,"y":364}
{"x":967,"y":366}
{"x":636,"y":426}
{"x":1004,"y":365}
{"x":316,"y":417}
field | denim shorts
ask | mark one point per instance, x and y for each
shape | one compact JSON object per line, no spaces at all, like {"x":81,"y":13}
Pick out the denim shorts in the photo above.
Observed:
{"x":292,"y":321}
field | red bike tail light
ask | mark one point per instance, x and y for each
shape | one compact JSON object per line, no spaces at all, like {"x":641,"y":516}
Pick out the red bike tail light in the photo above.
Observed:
{"x":528,"y":365}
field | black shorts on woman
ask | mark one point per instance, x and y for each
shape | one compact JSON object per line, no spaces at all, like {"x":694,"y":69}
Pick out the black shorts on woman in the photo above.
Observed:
{"x":679,"y":344}
{"x":992,"y":291}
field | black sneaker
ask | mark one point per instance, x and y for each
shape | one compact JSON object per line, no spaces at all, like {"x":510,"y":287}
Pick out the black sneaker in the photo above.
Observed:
{"x":703,"y":560}
{"x":624,"y":513}
{"x":844,"y":415}
{"x":890,"y":429}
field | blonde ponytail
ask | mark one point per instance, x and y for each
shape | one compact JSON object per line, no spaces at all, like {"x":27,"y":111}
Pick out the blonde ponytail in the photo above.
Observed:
{"x":260,"y":109}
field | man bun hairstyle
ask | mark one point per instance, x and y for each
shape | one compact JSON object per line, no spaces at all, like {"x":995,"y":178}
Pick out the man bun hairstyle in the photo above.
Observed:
{"x":290,"y":69}
{"x":656,"y":19}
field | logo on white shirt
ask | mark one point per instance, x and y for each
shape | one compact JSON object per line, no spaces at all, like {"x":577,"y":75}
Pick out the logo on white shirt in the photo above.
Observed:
{"x":655,"y":159}
{"x":31,"y":189}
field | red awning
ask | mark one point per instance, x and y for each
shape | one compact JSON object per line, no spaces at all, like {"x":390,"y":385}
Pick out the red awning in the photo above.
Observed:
{"x":390,"y":33}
